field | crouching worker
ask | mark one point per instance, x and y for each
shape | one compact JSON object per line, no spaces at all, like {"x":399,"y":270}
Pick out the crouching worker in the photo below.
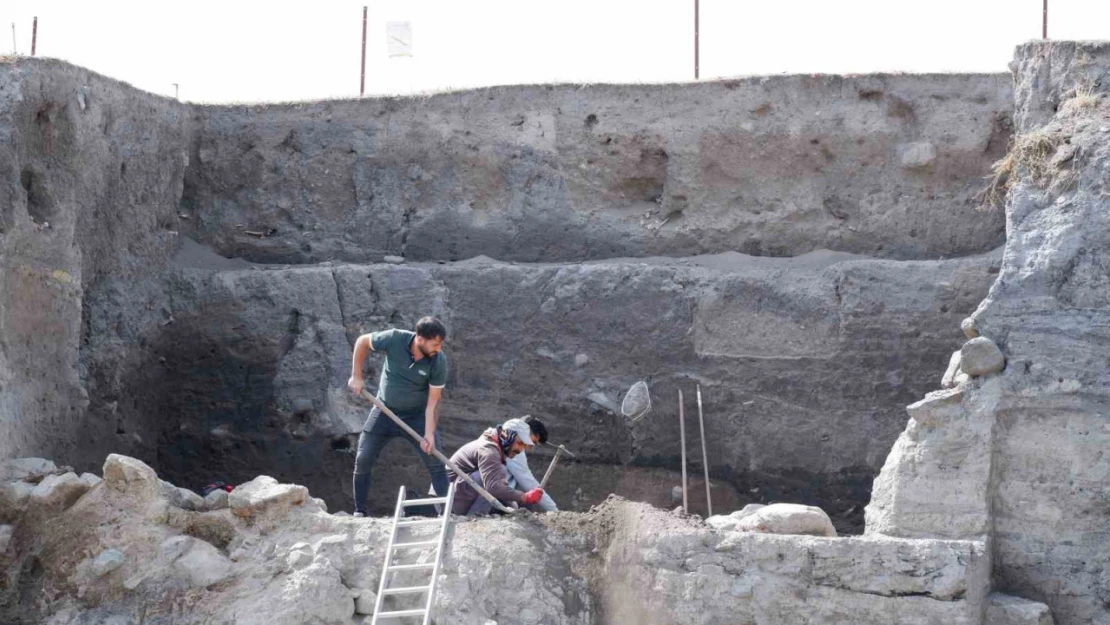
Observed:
{"x":520,"y":475}
{"x":484,"y":461}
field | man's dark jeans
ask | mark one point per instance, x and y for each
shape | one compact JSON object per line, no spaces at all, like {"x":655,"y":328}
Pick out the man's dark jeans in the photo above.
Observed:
{"x":376,"y":433}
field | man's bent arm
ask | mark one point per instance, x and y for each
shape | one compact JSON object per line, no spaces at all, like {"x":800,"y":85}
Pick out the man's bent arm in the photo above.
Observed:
{"x":434,"y":393}
{"x":362,"y":347}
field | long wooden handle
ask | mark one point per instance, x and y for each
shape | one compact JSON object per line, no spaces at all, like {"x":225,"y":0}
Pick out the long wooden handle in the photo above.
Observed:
{"x":551,"y":467}
{"x":435,"y":452}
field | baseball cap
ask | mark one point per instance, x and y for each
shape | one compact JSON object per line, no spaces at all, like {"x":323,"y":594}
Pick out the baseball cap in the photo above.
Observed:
{"x":523,"y":432}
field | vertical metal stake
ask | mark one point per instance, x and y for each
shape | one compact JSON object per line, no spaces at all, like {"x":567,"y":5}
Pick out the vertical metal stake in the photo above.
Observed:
{"x":1044,"y":21}
{"x":34,"y":34}
{"x":362,"y":79}
{"x":682,"y":430}
{"x":704,"y":459}
{"x":697,"y":42}
{"x":14,"y":52}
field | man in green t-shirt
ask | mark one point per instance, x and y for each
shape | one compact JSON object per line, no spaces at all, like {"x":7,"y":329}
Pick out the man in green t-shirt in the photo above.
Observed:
{"x":414,"y":372}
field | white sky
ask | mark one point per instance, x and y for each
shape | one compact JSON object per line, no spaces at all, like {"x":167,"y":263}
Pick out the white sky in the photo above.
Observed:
{"x":249,"y":50}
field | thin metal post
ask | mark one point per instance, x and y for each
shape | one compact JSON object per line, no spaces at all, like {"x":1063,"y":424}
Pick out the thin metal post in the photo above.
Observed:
{"x":1044,"y":21}
{"x":682,"y":430}
{"x":362,"y":79}
{"x":697,"y":42}
{"x":175,"y":91}
{"x":13,"y":39}
{"x":34,"y":34}
{"x":704,"y":458}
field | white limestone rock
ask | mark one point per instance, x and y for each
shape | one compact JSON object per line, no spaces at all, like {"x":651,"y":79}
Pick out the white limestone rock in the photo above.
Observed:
{"x":132,"y":476}
{"x":59,"y":491}
{"x":728,"y":522}
{"x":106,"y":562}
{"x":26,"y":469}
{"x":91,"y":480}
{"x":1008,"y":610}
{"x":264,"y":494}
{"x":196,"y":561}
{"x":953,"y":376}
{"x":787,"y":518}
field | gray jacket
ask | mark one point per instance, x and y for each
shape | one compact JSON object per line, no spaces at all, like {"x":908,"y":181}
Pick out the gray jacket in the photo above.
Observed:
{"x":484,"y":456}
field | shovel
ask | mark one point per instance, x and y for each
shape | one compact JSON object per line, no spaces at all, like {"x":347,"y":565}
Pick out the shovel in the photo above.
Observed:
{"x":435,"y":452}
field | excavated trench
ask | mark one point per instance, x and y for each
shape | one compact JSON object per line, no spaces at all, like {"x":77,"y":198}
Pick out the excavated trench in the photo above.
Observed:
{"x":205,"y":271}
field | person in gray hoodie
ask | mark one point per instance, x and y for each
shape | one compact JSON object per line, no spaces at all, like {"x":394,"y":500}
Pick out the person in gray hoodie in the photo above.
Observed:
{"x":484,"y":460}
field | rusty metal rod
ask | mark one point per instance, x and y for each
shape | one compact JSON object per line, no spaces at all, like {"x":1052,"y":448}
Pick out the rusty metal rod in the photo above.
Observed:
{"x":439,"y":455}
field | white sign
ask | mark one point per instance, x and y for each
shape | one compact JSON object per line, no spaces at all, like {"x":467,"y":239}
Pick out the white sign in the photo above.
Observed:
{"x":398,"y":38}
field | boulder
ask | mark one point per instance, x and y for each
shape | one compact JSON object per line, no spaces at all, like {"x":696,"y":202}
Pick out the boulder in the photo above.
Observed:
{"x":59,"y":491}
{"x":1007,"y":610}
{"x":108,"y":561}
{"x":365,"y":601}
{"x":126,"y":474}
{"x":26,"y":469}
{"x":196,"y":561}
{"x":182,"y":497}
{"x":13,"y":498}
{"x":300,"y":555}
{"x":981,"y":356}
{"x":788,"y":518}
{"x":216,"y":500}
{"x":729,"y":522}
{"x":264,"y":494}
{"x":91,"y":479}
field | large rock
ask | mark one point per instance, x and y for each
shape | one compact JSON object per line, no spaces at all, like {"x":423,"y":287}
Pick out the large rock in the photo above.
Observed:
{"x":264,"y":495}
{"x":216,"y":500}
{"x":728,"y":522}
{"x":1008,"y":610}
{"x":59,"y":491}
{"x":981,"y":356}
{"x":132,"y":476}
{"x":787,"y":518}
{"x":196,"y":561}
{"x":26,"y":469}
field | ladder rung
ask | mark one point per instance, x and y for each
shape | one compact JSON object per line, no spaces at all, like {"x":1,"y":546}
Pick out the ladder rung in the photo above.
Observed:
{"x":424,"y":502}
{"x":400,"y":613}
{"x":410,"y":567}
{"x":411,"y":590}
{"x":423,"y":543}
{"x":419,"y":521}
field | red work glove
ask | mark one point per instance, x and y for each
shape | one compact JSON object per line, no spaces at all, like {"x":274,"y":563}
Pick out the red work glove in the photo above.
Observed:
{"x":532,"y":497}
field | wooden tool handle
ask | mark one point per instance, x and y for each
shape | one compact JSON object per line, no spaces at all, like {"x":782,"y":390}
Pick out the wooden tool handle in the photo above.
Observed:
{"x":439,"y":455}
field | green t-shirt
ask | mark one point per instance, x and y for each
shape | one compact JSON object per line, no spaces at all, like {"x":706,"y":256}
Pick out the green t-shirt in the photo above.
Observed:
{"x":404,"y":382}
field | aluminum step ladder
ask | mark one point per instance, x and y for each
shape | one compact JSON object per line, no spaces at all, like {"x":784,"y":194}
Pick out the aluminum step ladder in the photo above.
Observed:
{"x":400,"y":522}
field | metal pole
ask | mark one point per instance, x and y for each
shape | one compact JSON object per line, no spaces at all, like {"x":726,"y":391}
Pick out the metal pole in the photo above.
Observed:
{"x":34,"y":34}
{"x":175,"y":92}
{"x":704,"y":458}
{"x":1044,"y":21}
{"x":697,"y":42}
{"x":362,"y":79}
{"x":13,"y":39}
{"x":682,"y":430}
